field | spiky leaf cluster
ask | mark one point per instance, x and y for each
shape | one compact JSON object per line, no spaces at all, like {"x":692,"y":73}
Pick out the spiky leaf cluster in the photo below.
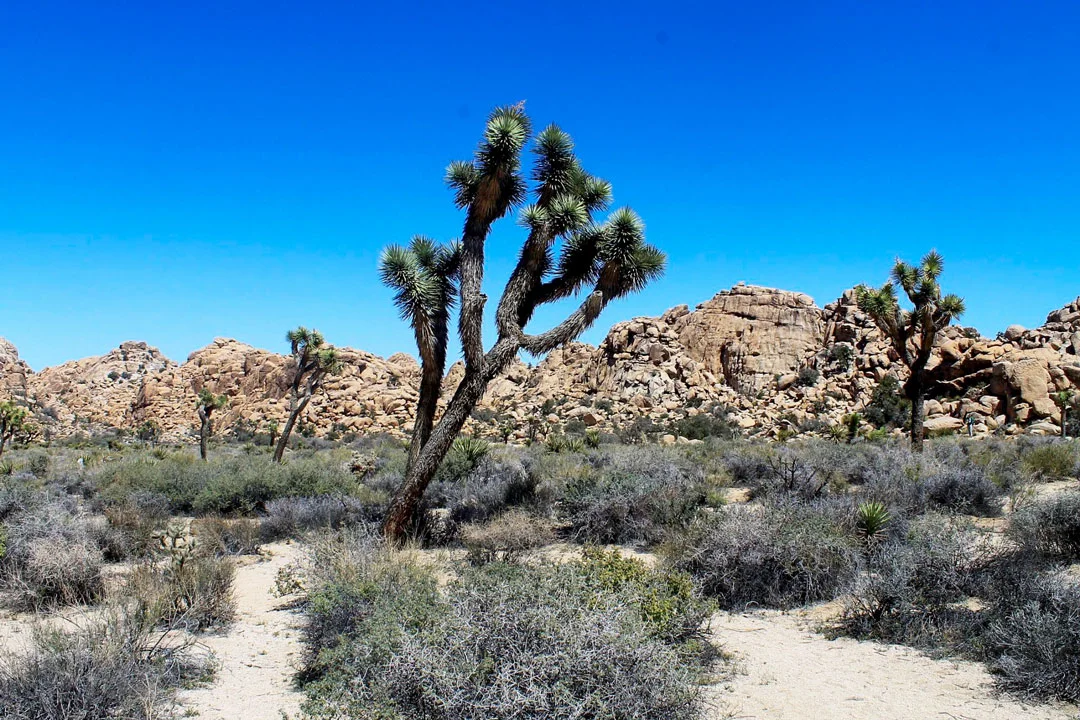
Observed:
{"x":930,"y":312}
{"x":210,"y":402}
{"x":424,"y":277}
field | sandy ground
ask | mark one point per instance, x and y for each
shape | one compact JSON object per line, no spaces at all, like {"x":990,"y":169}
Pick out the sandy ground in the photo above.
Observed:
{"x":257,"y":657}
{"x":785,"y":671}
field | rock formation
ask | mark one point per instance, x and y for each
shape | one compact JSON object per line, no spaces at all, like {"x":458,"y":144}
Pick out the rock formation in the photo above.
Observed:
{"x":771,"y":357}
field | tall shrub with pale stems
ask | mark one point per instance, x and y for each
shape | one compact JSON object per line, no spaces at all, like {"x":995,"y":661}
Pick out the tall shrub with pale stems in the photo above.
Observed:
{"x":567,"y":252}
{"x":912,"y":332}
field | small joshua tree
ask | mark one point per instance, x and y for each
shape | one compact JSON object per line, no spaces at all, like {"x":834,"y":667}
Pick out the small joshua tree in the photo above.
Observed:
{"x":912,"y":332}
{"x":207,"y":403}
{"x":313,"y":361}
{"x":1064,"y":398}
{"x":12,"y":421}
{"x":565,"y":253}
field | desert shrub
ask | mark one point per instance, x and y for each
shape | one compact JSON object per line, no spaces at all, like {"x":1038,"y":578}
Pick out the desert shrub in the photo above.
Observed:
{"x":1052,"y":459}
{"x":712,"y":424}
{"x":226,"y":485}
{"x":51,"y":557}
{"x":1050,"y":526}
{"x":779,"y":555}
{"x":1035,"y":641}
{"x":222,"y":536}
{"x":293,"y":516}
{"x":747,"y":464}
{"x":37,"y":463}
{"x":518,"y":641}
{"x":888,"y":407}
{"x":113,"y":667}
{"x":807,"y":377}
{"x":506,"y":537}
{"x":195,"y":594}
{"x":633,"y":494}
{"x":494,"y":484}
{"x":964,"y":488}
{"x":133,"y":523}
{"x":911,"y":585}
{"x":666,"y":599}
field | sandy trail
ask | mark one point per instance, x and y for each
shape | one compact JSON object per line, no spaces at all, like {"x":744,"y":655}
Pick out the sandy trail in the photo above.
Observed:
{"x":257,"y":656}
{"x":788,"y":672}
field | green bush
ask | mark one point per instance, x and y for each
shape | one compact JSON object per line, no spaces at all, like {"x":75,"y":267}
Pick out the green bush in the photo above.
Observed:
{"x":518,"y":641}
{"x":911,"y":585}
{"x":227,"y":485}
{"x":780,"y":555}
{"x":888,"y":407}
{"x":1052,"y":460}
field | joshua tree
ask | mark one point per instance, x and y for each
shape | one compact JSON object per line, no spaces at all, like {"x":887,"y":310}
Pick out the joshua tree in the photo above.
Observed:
{"x":12,"y":421}
{"x":272,"y":428}
{"x":605,"y":260}
{"x":313,"y":360}
{"x":912,"y":332}
{"x":207,"y":403}
{"x":1064,"y":398}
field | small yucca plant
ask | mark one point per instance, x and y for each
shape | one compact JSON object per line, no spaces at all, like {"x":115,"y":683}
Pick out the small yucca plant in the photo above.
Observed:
{"x":471,"y":450}
{"x":592,"y":438}
{"x":575,"y":444}
{"x":872,"y":521}
{"x":555,"y":443}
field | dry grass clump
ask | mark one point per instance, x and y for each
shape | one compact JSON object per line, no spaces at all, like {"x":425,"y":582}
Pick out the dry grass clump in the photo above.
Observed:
{"x":50,"y":556}
{"x":1050,"y":526}
{"x":189,"y":587}
{"x":506,"y":537}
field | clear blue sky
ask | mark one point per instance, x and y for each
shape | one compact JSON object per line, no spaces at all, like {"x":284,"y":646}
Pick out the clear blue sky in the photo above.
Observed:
{"x":172,"y":172}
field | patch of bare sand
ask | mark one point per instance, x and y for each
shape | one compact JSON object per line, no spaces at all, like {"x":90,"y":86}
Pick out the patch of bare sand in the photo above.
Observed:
{"x":258,"y":655}
{"x":786,"y":671}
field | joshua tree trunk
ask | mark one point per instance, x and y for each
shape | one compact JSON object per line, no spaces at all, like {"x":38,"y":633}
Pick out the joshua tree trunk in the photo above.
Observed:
{"x":296,"y":407}
{"x":204,"y":432}
{"x":430,"y":455}
{"x":1064,"y":420}
{"x":914,"y":391}
{"x":3,"y":442}
{"x":430,"y":384}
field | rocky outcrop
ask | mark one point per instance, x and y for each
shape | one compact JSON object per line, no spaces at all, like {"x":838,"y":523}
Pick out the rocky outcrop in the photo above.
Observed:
{"x":13,"y":372}
{"x":751,"y":334}
{"x":772,"y":358}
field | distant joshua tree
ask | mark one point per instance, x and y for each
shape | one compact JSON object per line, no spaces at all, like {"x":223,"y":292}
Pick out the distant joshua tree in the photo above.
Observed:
{"x":12,"y":422}
{"x":605,"y":261}
{"x":207,"y":403}
{"x":1064,"y":398}
{"x":912,"y":332}
{"x":313,"y":362}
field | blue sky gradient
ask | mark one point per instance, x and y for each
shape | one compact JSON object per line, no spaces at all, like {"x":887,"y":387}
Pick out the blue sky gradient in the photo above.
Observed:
{"x":172,"y":172}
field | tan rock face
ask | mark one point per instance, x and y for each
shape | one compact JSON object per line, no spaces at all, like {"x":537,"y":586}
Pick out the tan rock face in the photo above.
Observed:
{"x":742,"y":350}
{"x":13,"y":372}
{"x":750,"y":334}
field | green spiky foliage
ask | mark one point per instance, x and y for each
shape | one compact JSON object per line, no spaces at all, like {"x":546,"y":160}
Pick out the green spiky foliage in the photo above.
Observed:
{"x":313,"y":362}
{"x":872,"y":521}
{"x":12,"y":422}
{"x":568,"y":252}
{"x":1064,"y":398}
{"x":912,"y":332}
{"x":205,"y":404}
